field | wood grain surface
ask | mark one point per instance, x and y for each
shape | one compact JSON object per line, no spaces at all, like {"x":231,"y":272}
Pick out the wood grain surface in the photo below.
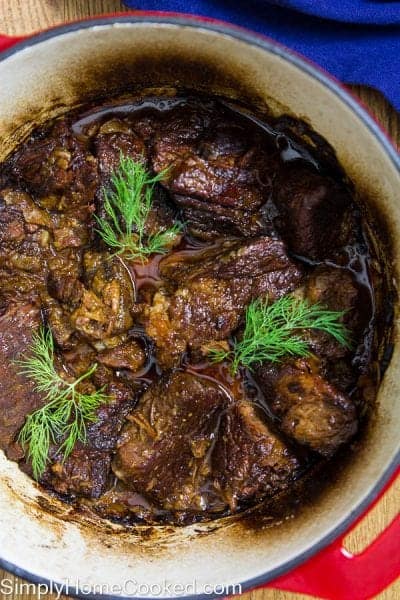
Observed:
{"x":18,"y":17}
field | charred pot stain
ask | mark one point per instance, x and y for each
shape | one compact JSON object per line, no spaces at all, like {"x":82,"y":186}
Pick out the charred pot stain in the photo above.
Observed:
{"x":167,"y":69}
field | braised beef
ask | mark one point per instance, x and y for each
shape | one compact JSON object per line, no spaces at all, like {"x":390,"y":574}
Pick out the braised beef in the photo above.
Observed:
{"x":314,"y":213}
{"x":335,"y":289}
{"x":338,"y":289}
{"x":128,"y":355}
{"x":219,"y":172}
{"x":17,"y":399}
{"x":189,"y":446}
{"x":57,"y":167}
{"x":87,"y":471}
{"x":312,"y":407}
{"x":264,"y":210}
{"x":84,"y":472}
{"x":104,"y":310}
{"x":24,"y":238}
{"x":36,"y":244}
{"x":211,"y":293}
{"x":310,"y":410}
{"x":249,"y":460}
{"x":115,"y":137}
{"x":164,"y":450}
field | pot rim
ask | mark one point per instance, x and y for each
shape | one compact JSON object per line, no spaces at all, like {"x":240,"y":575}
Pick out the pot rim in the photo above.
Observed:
{"x":361,"y":111}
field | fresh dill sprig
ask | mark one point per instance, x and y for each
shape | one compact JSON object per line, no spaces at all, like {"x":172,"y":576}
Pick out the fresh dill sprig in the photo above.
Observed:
{"x":127,"y":206}
{"x":67,"y":410}
{"x":273,"y":331}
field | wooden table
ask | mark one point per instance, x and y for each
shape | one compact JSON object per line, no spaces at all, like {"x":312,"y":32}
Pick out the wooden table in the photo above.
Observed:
{"x":18,"y":17}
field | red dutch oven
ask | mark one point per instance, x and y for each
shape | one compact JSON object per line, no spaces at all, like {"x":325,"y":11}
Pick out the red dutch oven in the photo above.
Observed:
{"x":42,"y":539}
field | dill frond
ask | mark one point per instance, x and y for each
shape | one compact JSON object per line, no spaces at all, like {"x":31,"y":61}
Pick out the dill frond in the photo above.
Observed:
{"x":273,"y":331}
{"x":127,"y":206}
{"x":67,"y":410}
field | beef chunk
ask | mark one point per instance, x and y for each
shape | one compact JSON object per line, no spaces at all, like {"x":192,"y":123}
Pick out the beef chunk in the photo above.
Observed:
{"x":18,"y":204}
{"x":99,"y":308}
{"x":64,"y":265}
{"x":162,"y":216}
{"x":191,"y":447}
{"x":19,"y":285}
{"x":17,"y":398}
{"x":128,"y":355}
{"x":310,"y":410}
{"x":217,"y":168}
{"x":314,"y":213}
{"x":164,"y":450}
{"x":335,"y":289}
{"x":179,"y":131}
{"x":116,"y":137}
{"x":86,"y":471}
{"x":72,"y":229}
{"x":103,"y":434}
{"x":205,"y":225}
{"x":209,"y":293}
{"x":207,"y":310}
{"x":64,"y":295}
{"x":65,"y":288}
{"x":250,"y":462}
{"x":59,"y":322}
{"x":57,"y":166}
{"x":36,"y":244}
{"x":105,"y":309}
{"x":234,"y":259}
{"x":24,"y":237}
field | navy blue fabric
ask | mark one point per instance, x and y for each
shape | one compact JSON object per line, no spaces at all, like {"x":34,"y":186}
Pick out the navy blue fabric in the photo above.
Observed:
{"x":358,"y":41}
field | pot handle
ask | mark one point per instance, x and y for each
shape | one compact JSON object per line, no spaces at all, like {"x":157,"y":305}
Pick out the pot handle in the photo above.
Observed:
{"x":336,"y":574}
{"x":7,"y":41}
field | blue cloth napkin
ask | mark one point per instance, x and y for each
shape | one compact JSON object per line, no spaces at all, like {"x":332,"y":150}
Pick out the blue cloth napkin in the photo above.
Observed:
{"x":358,"y":41}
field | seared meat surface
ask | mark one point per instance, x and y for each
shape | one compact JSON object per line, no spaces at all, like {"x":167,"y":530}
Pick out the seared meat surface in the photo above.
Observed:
{"x":128,"y":355}
{"x":87,"y":471}
{"x":249,"y":460}
{"x":106,"y":303}
{"x":190,"y":446}
{"x":336,"y":289}
{"x":314,"y":213}
{"x":209,"y":294}
{"x":219,"y":171}
{"x":97,"y":308}
{"x":310,"y":410}
{"x":116,"y":137}
{"x":58,"y":168}
{"x":164,"y":450}
{"x":302,"y":393}
{"x":17,"y":398}
{"x":24,"y":243}
{"x":259,"y":210}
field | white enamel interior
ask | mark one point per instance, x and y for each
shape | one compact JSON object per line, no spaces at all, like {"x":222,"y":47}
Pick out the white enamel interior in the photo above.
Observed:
{"x":57,"y":71}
